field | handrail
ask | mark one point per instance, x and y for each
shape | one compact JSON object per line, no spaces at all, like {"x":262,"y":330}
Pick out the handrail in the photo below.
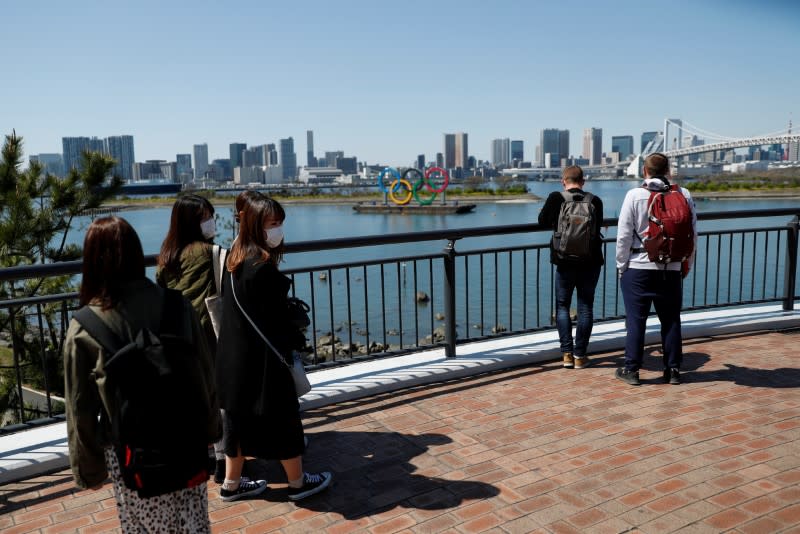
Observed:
{"x":74,"y":267}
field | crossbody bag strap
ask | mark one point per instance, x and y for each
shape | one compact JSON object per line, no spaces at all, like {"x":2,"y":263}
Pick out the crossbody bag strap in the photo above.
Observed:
{"x":249,"y":320}
{"x":215,"y":257}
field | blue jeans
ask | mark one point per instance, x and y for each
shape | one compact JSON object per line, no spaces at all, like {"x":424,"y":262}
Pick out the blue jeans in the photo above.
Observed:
{"x":568,"y":279}
{"x":662,"y":289}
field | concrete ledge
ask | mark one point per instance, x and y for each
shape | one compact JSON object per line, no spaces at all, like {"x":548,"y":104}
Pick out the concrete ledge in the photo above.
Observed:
{"x":33,"y":452}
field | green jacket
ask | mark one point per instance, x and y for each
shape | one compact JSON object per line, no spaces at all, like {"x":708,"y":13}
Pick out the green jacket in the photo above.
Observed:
{"x":196,"y":281}
{"x":86,"y":395}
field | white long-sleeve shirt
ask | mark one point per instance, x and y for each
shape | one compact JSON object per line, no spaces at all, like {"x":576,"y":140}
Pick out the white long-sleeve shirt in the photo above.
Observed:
{"x":632,"y":226}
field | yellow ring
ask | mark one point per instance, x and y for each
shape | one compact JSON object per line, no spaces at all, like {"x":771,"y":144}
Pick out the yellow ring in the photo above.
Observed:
{"x":408,"y":192}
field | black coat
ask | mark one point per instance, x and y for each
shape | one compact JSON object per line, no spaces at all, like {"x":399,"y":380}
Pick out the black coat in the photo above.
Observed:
{"x":549,"y":217}
{"x":255,"y":387}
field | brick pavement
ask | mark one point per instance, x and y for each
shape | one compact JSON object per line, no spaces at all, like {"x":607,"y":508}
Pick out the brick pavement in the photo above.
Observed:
{"x":533,"y":449}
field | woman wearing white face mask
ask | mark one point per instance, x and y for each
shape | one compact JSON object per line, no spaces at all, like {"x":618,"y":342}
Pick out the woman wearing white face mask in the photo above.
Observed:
{"x":185,"y":261}
{"x":255,"y":387}
{"x":186,"y":264}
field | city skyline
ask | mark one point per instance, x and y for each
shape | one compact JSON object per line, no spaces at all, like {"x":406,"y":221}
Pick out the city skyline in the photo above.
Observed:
{"x":261,"y":73}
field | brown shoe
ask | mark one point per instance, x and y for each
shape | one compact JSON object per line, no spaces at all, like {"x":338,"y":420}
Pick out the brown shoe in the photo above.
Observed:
{"x":581,"y":363}
{"x":568,"y":360}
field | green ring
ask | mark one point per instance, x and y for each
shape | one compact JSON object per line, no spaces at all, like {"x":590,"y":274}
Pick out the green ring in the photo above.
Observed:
{"x":416,"y":188}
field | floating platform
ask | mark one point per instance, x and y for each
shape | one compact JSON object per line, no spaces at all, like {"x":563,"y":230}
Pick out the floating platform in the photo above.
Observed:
{"x":413,"y":209}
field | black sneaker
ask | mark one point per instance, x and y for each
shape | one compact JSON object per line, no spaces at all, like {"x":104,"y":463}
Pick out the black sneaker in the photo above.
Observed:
{"x":672,"y":376}
{"x":247,"y":488}
{"x":313,"y":483}
{"x":629,"y":377}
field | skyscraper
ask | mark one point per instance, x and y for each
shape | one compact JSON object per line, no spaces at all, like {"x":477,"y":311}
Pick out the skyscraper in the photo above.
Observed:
{"x":236,"y":150}
{"x":311,"y":161}
{"x":51,"y":163}
{"x":622,"y":144}
{"x":288,"y":159}
{"x":646,"y":138}
{"x":420,"y":161}
{"x":517,"y":151}
{"x":501,"y":152}
{"x":120,"y":148}
{"x":74,"y":147}
{"x":553,"y":141}
{"x":449,"y":151}
{"x":200,"y":161}
{"x":593,"y":145}
{"x":183,"y":167}
{"x":462,"y":151}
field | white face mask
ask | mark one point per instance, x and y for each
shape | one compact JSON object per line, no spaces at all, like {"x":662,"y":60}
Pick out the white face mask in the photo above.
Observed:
{"x":274,"y":236}
{"x":208,"y":228}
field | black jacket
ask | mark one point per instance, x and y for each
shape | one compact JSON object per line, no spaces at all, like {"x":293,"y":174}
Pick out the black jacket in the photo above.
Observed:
{"x":549,"y":217}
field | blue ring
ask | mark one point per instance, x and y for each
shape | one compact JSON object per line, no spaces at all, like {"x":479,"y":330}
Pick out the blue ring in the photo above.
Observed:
{"x":390,"y":170}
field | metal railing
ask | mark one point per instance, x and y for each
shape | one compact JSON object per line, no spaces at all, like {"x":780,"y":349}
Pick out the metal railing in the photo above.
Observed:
{"x":389,"y":305}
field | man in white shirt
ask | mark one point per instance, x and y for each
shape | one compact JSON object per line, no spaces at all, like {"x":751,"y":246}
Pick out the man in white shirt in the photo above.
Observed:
{"x":644,"y":282}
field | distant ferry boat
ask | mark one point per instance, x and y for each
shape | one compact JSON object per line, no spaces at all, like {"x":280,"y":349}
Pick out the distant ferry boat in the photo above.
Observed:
{"x":150,"y":188}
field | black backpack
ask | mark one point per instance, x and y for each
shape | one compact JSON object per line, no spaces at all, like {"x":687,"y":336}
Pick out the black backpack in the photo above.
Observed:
{"x":159,"y":425}
{"x":576,"y":228}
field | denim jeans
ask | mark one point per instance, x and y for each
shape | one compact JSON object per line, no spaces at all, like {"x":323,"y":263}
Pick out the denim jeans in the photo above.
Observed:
{"x":662,"y":289}
{"x":568,"y":279}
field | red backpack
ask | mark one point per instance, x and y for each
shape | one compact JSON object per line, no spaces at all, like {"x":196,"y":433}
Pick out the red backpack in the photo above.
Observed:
{"x":670,"y":235}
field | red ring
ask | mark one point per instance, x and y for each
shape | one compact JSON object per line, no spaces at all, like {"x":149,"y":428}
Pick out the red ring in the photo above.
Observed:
{"x":444,"y":174}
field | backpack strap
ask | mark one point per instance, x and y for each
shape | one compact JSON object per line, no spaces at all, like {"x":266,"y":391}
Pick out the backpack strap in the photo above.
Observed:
{"x":172,"y":313}
{"x":171,"y":322}
{"x":98,"y":329}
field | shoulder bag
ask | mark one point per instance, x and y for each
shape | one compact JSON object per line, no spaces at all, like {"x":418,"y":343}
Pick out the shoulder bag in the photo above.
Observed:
{"x":214,"y":302}
{"x":298,"y":372}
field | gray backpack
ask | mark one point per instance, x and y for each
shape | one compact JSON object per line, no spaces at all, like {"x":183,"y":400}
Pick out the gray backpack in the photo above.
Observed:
{"x":576,"y":228}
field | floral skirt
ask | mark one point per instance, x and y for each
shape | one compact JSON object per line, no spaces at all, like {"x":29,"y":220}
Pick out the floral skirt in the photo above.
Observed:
{"x":184,"y":510}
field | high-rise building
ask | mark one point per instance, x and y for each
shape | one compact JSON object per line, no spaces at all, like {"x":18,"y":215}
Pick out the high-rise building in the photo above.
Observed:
{"x":555,"y":142}
{"x":288,"y":159}
{"x":222,"y":169}
{"x":183,"y":166}
{"x":74,"y":147}
{"x":236,"y":150}
{"x":271,"y":155}
{"x":421,"y":161}
{"x":622,"y":144}
{"x":449,"y":151}
{"x":462,"y":151}
{"x":593,"y":145}
{"x":311,"y":161}
{"x":646,"y":138}
{"x":51,"y":163}
{"x":255,"y":156}
{"x":439,"y":159}
{"x":200,"y":161}
{"x":347,"y":165}
{"x":517,"y":151}
{"x":331,"y":157}
{"x":120,"y":147}
{"x":501,"y":152}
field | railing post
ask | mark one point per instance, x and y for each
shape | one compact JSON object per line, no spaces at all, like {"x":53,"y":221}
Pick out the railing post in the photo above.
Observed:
{"x":450,"y":299}
{"x":789,"y":278}
{"x":15,"y":349}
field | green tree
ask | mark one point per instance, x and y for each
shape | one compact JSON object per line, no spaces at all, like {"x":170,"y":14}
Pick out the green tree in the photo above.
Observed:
{"x":37,"y":211}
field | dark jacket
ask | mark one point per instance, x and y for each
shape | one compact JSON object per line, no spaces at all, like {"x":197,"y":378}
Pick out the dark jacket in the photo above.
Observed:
{"x":195,"y":279}
{"x":549,"y":217}
{"x":255,"y":387}
{"x":86,"y":394}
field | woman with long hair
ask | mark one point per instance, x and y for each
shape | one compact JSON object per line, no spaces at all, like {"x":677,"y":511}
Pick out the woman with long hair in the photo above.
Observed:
{"x":185,"y":262}
{"x":115,"y":289}
{"x":257,"y":392}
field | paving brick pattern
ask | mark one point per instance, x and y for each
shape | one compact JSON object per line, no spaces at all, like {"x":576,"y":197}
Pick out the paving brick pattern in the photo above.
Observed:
{"x":533,"y":449}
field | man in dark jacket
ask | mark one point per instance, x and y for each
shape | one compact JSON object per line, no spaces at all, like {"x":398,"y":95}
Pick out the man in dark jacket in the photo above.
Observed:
{"x":572,"y":274}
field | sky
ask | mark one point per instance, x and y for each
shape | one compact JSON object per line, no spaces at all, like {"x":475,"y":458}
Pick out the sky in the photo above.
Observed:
{"x":384,"y":80}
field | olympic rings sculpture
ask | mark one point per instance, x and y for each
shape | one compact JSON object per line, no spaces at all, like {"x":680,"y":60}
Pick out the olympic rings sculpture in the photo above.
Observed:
{"x":402,"y":184}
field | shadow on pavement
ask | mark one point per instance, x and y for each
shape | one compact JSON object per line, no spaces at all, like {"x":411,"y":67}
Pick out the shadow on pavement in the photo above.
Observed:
{"x":374,"y":472}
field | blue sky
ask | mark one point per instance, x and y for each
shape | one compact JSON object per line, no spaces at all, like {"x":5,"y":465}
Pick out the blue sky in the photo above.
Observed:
{"x":384,"y":80}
